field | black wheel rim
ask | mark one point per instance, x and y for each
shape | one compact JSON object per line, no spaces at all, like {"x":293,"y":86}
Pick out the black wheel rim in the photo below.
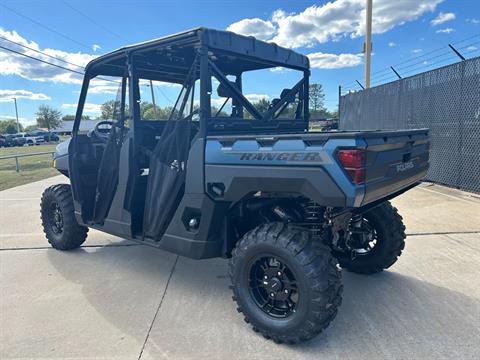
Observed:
{"x":56,"y":218}
{"x":365,"y":238}
{"x":273,"y":286}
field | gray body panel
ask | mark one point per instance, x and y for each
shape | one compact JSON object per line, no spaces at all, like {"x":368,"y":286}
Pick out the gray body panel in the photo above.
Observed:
{"x":306,"y":164}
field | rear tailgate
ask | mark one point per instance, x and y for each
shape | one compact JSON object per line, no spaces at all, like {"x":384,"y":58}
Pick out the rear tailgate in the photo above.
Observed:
{"x":394,"y":160}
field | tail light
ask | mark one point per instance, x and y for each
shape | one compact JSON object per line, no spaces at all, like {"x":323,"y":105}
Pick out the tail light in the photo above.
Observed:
{"x":353,"y":161}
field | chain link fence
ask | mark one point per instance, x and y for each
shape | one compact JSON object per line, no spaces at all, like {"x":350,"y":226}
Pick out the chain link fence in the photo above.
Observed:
{"x":445,"y":100}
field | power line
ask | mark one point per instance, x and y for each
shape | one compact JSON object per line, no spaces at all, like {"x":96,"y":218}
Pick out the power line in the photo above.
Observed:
{"x":46,"y":27}
{"x":41,"y":52}
{"x":165,"y":96}
{"x":95,"y":22}
{"x":43,"y":61}
{"x":56,"y":65}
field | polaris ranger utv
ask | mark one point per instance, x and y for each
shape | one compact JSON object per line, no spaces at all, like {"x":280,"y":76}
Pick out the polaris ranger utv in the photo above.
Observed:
{"x":286,"y":205}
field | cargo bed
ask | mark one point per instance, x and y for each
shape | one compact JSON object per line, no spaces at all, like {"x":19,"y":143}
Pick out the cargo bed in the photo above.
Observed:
{"x":388,"y":162}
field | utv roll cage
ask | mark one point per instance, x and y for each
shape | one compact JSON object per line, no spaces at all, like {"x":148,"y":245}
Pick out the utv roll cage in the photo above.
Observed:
{"x":220,"y":54}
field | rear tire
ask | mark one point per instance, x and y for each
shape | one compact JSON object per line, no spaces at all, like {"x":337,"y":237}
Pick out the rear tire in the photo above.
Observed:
{"x":58,"y":218}
{"x":390,"y":232}
{"x":304,"y":283}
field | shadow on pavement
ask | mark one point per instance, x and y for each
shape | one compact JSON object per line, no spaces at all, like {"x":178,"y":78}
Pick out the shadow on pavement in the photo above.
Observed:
{"x":387,"y":314}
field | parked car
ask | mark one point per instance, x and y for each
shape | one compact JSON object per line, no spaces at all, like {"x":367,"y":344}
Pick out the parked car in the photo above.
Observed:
{"x":3,"y":141}
{"x":22,"y":139}
{"x":51,"y":137}
{"x":9,"y":140}
{"x":47,"y":136}
{"x":18,"y":139}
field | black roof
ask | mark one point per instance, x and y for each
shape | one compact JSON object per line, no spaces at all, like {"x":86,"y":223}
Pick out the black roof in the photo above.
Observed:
{"x":240,"y":53}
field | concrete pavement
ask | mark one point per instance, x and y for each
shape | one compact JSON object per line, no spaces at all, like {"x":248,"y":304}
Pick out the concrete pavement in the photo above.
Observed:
{"x":116,"y":299}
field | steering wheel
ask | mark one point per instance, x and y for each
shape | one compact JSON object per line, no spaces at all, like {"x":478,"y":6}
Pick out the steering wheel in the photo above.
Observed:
{"x":102,"y":129}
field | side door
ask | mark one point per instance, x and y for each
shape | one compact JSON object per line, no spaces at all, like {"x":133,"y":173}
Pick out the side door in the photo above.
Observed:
{"x":98,"y":135}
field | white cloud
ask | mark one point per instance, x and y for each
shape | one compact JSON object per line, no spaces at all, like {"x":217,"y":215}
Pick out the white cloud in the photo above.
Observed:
{"x":256,"y":97}
{"x":442,"y":18}
{"x":7,"y":95}
{"x":87,"y":108}
{"x":217,"y":102}
{"x":23,"y":121}
{"x":256,"y":27}
{"x":144,"y":82}
{"x":321,"y":60}
{"x":445,"y":31}
{"x":96,"y":47}
{"x":392,"y":44}
{"x":10,"y":117}
{"x":103,"y":89}
{"x":472,"y":48}
{"x":280,"y":70}
{"x":104,"y":86}
{"x":332,"y":21}
{"x":14,"y":64}
{"x":474,"y":21}
{"x":417,"y":51}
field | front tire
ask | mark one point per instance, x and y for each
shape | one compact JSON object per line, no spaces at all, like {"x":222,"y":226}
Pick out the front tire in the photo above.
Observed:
{"x":58,"y":218}
{"x":389,"y":231}
{"x":287,"y":286}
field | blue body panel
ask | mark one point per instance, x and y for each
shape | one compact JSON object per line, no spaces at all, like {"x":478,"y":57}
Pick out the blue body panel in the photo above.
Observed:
{"x":287,"y":153}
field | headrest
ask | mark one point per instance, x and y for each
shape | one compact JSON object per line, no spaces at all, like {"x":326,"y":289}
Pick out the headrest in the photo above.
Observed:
{"x":284,"y":92}
{"x":223,"y":91}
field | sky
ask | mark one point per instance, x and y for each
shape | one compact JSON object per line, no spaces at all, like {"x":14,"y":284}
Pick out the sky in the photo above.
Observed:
{"x":410,"y":35}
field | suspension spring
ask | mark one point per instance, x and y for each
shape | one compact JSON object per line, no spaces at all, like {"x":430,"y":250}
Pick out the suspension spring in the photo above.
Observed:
{"x":314,"y":218}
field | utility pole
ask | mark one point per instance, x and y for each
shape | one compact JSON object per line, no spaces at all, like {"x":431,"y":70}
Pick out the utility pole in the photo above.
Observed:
{"x":368,"y":43}
{"x":16,"y":114}
{"x":153,"y":100}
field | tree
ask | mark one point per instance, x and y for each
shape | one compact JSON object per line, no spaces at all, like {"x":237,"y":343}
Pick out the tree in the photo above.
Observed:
{"x":68,"y":117}
{"x":262,"y":105}
{"x":72,"y":117}
{"x":107,"y":109}
{"x":30,"y":128}
{"x":214,"y":111}
{"x":317,"y":99}
{"x":110,"y":110}
{"x":48,"y":117}
{"x":157,"y":113}
{"x":9,"y":127}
